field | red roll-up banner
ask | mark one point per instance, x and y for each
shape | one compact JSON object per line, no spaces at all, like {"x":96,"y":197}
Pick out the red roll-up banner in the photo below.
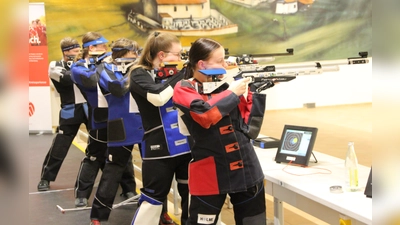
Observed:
{"x":39,"y":83}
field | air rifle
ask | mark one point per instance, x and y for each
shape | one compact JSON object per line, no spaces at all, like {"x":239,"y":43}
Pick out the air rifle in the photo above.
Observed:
{"x":168,"y":69}
{"x":278,"y":73}
{"x":123,"y":64}
{"x":96,"y":57}
{"x":70,"y":60}
{"x":218,"y":80}
{"x":288,"y":72}
{"x":246,"y":59}
{"x":263,"y":80}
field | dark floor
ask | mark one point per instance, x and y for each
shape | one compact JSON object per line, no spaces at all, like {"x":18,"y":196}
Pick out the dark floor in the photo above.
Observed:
{"x":43,"y":205}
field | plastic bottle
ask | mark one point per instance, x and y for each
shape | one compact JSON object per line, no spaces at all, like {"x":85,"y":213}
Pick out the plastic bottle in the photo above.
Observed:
{"x":344,"y":220}
{"x":351,"y":167}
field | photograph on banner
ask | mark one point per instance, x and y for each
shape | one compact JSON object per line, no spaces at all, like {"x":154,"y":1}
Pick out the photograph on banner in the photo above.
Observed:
{"x":37,"y":25}
{"x":39,"y":82}
{"x":38,"y":50}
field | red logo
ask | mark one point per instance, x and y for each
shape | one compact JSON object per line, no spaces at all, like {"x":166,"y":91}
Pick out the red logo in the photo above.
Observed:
{"x":31,"y":109}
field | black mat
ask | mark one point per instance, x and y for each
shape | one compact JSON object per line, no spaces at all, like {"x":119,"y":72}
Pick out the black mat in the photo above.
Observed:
{"x":43,"y":205}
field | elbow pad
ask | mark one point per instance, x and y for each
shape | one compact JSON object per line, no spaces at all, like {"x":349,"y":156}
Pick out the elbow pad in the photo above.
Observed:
{"x":116,"y":89}
{"x":161,"y":98}
{"x":89,"y":82}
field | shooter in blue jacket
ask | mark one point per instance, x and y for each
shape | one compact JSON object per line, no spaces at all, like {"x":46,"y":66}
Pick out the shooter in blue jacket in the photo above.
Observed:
{"x":85,"y":77}
{"x":124,"y":124}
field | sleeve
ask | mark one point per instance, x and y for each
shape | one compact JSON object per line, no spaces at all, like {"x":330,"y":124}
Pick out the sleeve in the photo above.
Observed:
{"x":116,"y":87}
{"x":252,"y":110}
{"x":203,"y":110}
{"x":158,"y":94}
{"x":103,"y":77}
{"x":84,"y":76}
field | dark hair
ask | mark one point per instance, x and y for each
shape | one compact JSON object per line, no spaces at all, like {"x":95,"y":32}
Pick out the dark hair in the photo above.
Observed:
{"x":201,"y":49}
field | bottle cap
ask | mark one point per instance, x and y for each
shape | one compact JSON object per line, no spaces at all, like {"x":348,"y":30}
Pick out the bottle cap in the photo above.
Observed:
{"x":336,"y":189}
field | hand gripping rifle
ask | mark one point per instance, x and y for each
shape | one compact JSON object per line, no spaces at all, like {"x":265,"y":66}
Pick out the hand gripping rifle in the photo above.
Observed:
{"x":248,"y":67}
{"x":258,"y":84}
{"x":245,"y":62}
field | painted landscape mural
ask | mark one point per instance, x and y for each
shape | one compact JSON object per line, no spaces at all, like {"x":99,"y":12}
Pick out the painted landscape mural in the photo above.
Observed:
{"x":315,"y":29}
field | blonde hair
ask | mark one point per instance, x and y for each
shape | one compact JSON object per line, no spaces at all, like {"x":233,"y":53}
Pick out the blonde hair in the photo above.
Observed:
{"x":155,"y":43}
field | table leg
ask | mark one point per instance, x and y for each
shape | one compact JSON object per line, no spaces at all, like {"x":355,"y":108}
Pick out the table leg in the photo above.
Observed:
{"x":278,"y":212}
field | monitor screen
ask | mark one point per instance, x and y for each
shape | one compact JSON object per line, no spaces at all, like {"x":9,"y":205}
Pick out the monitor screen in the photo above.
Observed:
{"x":296,"y":145}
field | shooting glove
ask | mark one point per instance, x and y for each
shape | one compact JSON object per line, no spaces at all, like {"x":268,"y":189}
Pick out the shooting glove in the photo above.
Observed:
{"x":56,"y":72}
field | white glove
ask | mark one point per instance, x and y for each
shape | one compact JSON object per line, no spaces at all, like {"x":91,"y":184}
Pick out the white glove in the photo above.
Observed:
{"x":56,"y":72}
{"x":239,"y":87}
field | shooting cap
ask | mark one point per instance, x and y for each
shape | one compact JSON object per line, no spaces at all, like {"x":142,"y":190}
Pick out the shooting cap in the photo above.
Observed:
{"x":101,"y":40}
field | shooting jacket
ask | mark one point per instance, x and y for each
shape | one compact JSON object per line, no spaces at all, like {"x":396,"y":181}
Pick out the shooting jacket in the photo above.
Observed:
{"x":221,"y":125}
{"x":71,"y":111}
{"x":86,"y":79}
{"x":124,"y":125}
{"x":162,"y":138}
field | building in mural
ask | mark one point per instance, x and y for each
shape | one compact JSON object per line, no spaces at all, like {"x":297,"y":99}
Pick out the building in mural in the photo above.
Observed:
{"x":182,"y":17}
{"x":249,"y":3}
{"x":286,"y":7}
{"x":281,"y":6}
{"x":292,"y":6}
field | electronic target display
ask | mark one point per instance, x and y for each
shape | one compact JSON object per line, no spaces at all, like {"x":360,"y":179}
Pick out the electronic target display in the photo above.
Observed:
{"x":296,"y":144}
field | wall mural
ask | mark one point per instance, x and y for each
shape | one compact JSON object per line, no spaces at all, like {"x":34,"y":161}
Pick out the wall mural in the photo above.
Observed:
{"x":315,"y":29}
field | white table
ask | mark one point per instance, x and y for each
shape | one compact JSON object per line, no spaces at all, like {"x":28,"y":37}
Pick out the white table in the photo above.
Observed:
{"x":310,"y":192}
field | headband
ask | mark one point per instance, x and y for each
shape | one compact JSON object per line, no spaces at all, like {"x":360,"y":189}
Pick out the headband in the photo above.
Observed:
{"x":129,"y":48}
{"x":116,"y":49}
{"x":70,"y":47}
{"x":101,"y":40}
